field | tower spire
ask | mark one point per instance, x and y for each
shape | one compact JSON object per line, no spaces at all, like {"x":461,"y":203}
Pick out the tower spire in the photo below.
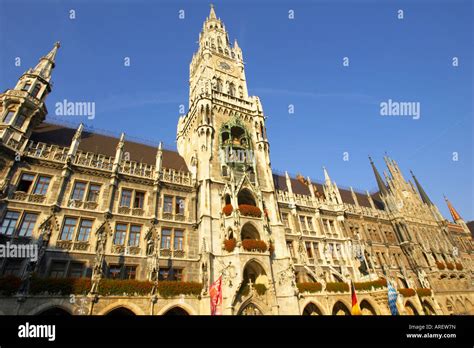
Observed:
{"x":380,"y":183}
{"x":46,"y":63}
{"x":212,"y":13}
{"x":424,"y":196}
{"x":453,"y":211}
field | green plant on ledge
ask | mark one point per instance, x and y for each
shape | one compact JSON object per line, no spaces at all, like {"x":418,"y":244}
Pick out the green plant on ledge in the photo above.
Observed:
{"x":173,"y":288}
{"x":309,"y":287}
{"x":111,"y":287}
{"x":406,"y":292}
{"x":423,"y":292}
{"x":337,"y":287}
{"x":61,"y":286}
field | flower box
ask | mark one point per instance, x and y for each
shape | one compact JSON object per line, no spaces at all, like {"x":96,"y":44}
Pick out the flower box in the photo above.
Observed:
{"x":227,"y":210}
{"x":229,"y":244}
{"x":440,"y":265}
{"x":450,"y":266}
{"x":406,"y":292}
{"x":250,"y":210}
{"x":254,"y":245}
{"x":173,"y":288}
{"x":130,"y":287}
{"x":337,"y":287}
{"x":374,"y":284}
{"x":62,"y":286}
{"x":423,"y":292}
{"x":309,"y":287}
{"x":459,"y":266}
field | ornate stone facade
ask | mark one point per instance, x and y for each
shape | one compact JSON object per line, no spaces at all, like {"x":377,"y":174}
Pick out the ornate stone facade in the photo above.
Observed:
{"x":214,"y":208}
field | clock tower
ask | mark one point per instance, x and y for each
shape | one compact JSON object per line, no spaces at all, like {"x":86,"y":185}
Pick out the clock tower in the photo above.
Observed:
{"x":224,"y":143}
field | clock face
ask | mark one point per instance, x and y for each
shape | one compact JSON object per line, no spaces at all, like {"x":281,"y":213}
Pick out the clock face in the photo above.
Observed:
{"x":224,"y":65}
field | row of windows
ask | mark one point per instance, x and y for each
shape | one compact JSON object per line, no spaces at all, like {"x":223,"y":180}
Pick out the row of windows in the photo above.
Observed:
{"x":75,"y":269}
{"x":80,"y":229}
{"x":129,"y":198}
{"x":10,"y":226}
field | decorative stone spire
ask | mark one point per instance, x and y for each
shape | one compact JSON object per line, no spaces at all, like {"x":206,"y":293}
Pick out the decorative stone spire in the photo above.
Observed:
{"x":371,"y":201}
{"x":75,"y":141}
{"x":288,"y":183}
{"x":212,"y":13}
{"x":454,"y":213}
{"x":159,"y":158}
{"x":380,"y":183}
{"x":46,"y":63}
{"x":424,"y":196}
{"x":354,"y":197}
{"x":327,"y":179}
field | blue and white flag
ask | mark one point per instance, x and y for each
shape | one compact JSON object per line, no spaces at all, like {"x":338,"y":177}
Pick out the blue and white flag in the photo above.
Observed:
{"x":392,"y":298}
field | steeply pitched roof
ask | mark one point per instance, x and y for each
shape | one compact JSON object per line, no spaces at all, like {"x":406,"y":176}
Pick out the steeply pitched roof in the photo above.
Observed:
{"x":106,"y":145}
{"x":346,"y":195}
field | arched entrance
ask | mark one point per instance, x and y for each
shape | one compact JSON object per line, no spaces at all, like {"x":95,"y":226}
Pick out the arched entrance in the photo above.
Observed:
{"x":255,"y":274}
{"x":250,"y":309}
{"x":246,"y":197}
{"x":249,"y":231}
{"x":366,"y":308}
{"x":54,"y":311}
{"x":120,"y":311}
{"x":410,"y":309}
{"x":176,"y":311}
{"x":312,"y":309}
{"x":340,"y":309}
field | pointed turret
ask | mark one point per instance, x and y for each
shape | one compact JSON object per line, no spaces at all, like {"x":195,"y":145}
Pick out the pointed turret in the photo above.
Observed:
{"x":380,"y":183}
{"x":212,"y":13}
{"x":327,"y":179}
{"x":354,"y":197}
{"x":424,"y":196}
{"x":46,"y":63}
{"x":288,"y":183}
{"x":454,"y":213}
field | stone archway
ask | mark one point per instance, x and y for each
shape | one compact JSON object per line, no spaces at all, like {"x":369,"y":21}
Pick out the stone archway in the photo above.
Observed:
{"x":366,"y":308}
{"x":410,"y":309}
{"x":312,"y":309}
{"x":340,"y":309}
{"x":120,"y":311}
{"x":249,"y":231}
{"x":176,"y":311}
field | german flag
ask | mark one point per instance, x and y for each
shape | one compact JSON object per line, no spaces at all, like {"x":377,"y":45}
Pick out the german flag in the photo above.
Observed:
{"x":355,"y":306}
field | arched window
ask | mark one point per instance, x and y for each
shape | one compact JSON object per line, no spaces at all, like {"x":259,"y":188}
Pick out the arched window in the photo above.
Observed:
{"x":232,"y":89}
{"x":219,"y":85}
{"x":241,"y":92}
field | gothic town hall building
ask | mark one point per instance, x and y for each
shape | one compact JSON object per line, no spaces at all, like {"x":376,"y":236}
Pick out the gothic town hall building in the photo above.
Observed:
{"x":121,"y":227}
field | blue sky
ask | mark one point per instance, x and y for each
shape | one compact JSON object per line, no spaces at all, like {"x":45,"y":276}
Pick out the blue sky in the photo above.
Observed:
{"x":299,"y":62}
